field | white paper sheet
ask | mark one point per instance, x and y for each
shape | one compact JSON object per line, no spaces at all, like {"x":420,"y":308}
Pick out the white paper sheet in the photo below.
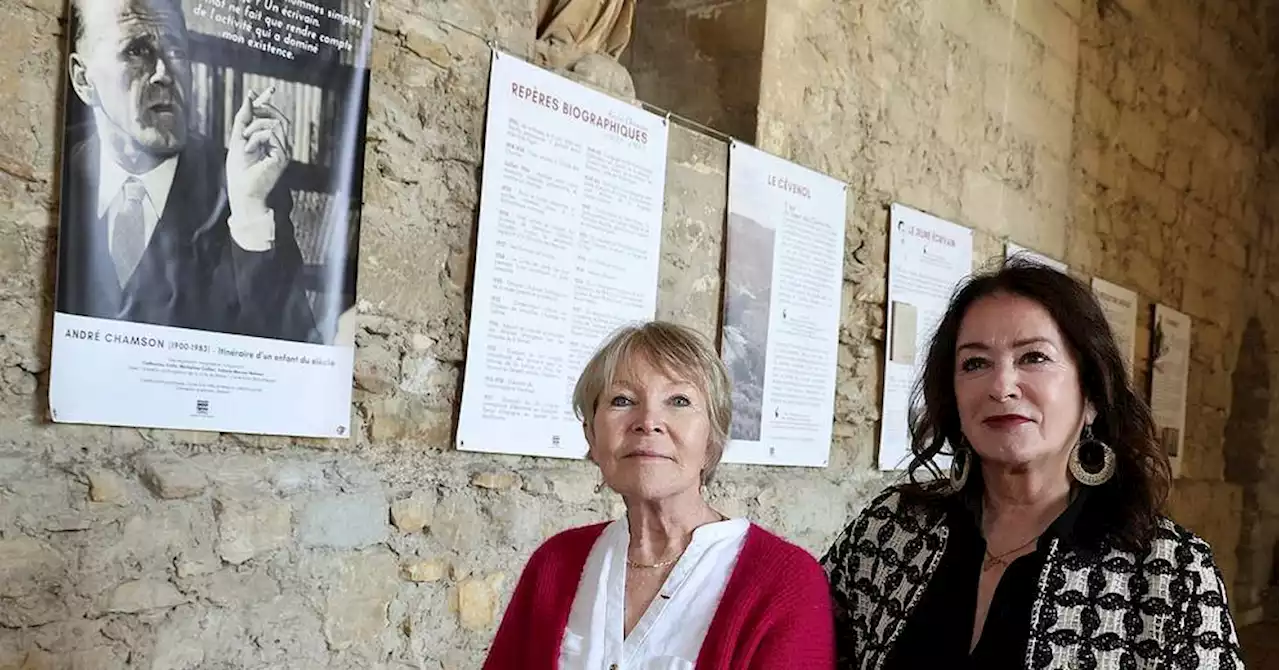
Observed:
{"x":1011,"y":248}
{"x":137,"y":374}
{"x":567,"y":252}
{"x":928,"y":257}
{"x":1170,"y":360}
{"x":1120,"y":305}
{"x":785,"y":265}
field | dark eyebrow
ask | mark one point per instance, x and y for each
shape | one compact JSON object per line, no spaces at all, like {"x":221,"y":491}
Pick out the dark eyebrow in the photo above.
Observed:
{"x":1016,"y":345}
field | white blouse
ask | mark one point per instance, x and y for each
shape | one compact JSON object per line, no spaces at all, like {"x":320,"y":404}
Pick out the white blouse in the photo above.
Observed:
{"x":670,"y":633}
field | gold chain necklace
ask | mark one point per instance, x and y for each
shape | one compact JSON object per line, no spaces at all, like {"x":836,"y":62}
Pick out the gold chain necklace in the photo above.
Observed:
{"x":667,"y":564}
{"x":653,"y":566}
{"x":992,"y":560}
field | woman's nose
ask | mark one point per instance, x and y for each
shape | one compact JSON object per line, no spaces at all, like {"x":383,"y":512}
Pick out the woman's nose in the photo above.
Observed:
{"x":1004,"y":383}
{"x":648,"y":422}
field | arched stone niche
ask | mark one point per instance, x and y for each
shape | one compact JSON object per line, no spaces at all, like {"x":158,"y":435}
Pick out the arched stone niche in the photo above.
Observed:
{"x":1250,"y":460}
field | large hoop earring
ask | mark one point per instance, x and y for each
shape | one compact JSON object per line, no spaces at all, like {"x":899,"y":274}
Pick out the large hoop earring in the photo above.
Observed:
{"x":1101,"y":460}
{"x":961,"y":462}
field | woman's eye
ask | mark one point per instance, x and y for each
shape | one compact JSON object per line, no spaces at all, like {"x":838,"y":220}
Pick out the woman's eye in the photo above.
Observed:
{"x":620,"y":401}
{"x":681,"y":401}
{"x":1034,"y":357}
{"x":971,"y":364}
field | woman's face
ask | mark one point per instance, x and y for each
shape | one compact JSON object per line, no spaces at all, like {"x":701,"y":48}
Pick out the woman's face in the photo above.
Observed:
{"x":1017,"y":384}
{"x":650,"y":433}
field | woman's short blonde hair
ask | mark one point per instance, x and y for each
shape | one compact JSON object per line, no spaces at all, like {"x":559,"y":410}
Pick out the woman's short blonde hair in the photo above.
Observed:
{"x":678,"y":351}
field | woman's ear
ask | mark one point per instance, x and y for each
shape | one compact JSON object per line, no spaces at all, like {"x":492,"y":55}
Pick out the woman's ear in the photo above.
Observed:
{"x":1090,"y":414}
{"x":587,"y":433}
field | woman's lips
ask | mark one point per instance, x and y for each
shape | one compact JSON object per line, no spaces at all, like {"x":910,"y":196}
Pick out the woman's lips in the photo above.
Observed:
{"x":1006,"y":421}
{"x":647,"y":455}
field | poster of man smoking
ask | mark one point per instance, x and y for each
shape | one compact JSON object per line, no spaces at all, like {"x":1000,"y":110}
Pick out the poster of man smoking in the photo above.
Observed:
{"x":212,"y":170}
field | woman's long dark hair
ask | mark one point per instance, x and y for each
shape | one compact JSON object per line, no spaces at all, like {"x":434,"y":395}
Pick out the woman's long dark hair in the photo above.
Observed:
{"x":1126,"y":507}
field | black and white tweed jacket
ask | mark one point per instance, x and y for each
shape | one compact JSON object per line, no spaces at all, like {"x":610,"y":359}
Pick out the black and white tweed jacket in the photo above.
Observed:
{"x":1115,"y":609}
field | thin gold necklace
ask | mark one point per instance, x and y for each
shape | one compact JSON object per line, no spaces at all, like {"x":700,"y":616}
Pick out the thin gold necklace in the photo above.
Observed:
{"x":992,"y":560}
{"x":653,"y":566}
{"x":667,"y":564}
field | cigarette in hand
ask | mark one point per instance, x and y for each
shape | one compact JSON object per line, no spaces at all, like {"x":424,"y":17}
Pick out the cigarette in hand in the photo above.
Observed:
{"x":264,"y":96}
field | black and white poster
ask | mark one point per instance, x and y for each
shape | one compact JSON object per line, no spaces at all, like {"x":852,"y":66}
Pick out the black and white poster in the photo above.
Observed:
{"x":212,"y":166}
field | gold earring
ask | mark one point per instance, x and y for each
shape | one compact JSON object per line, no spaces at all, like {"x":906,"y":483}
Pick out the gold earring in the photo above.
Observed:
{"x":1104,"y":470}
{"x":960,"y":475}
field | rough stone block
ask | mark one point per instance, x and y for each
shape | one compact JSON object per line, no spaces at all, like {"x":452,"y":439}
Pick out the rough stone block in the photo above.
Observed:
{"x":31,"y":577}
{"x":106,"y":486}
{"x":1098,"y":113}
{"x":178,"y":645}
{"x":171,"y":478}
{"x":478,"y":601}
{"x":459,"y":523}
{"x":575,"y":486}
{"x":1230,"y":247}
{"x":1057,"y":81}
{"x":25,"y":563}
{"x":196,"y":563}
{"x":981,"y":202}
{"x":144,"y":594}
{"x":344,"y":521}
{"x":498,"y":481}
{"x":1143,"y":272}
{"x":295,"y":477}
{"x":1047,"y":21}
{"x":1141,"y":135}
{"x":414,"y":513}
{"x":1073,"y":8}
{"x":400,"y":418}
{"x":356,"y":608}
{"x":426,"y":571}
{"x":232,"y":588}
{"x":425,"y":376}
{"x":247,"y":530}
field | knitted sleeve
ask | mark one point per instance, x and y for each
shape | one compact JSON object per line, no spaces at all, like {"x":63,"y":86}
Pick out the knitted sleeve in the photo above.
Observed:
{"x":801,"y":635}
{"x":533,"y":625}
{"x":1204,"y":633}
{"x":510,"y":645}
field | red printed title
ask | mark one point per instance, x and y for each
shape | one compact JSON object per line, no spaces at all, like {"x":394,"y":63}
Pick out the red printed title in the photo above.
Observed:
{"x":577,"y":112}
{"x":788,"y":185}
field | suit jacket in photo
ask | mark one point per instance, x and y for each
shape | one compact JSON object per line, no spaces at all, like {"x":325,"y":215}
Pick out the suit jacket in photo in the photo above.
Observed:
{"x":192,"y":273}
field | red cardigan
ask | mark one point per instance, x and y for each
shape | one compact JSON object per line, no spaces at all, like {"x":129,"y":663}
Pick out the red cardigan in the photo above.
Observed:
{"x":775,"y":613}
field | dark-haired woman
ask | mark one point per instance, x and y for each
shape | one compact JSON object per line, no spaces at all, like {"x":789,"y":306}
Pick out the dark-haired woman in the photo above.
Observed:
{"x":1045,"y":548}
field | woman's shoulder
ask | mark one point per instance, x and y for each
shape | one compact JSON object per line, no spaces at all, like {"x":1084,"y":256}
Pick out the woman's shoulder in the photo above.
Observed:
{"x":762,"y":542}
{"x":1178,"y":544}
{"x":1170,"y":547}
{"x":773,"y":564}
{"x":578,"y":540}
{"x":911,"y":506}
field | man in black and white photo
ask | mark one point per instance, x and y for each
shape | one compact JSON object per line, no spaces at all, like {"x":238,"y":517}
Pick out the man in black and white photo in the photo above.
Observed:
{"x":160,"y":225}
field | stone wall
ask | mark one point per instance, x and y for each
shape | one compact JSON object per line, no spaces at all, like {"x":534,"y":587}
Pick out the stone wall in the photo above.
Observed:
{"x":701,"y":60}
{"x":156,"y":549}
{"x":1068,"y":127}
{"x":1133,"y":140}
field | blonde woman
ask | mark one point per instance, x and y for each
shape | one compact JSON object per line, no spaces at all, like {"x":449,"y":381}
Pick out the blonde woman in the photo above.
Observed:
{"x":673,"y":582}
